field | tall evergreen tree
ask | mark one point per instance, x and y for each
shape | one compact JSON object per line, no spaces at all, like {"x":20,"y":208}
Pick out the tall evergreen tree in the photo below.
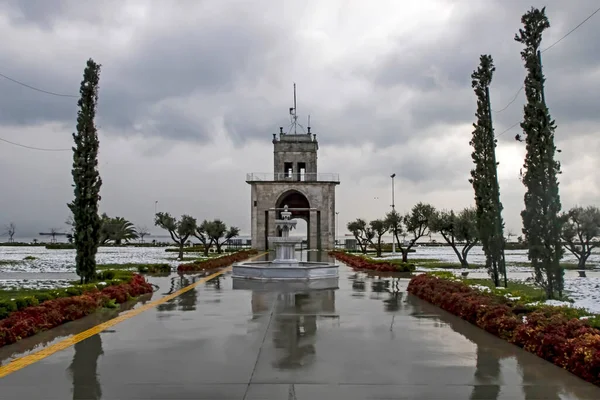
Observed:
{"x":86,"y":178}
{"x":541,"y":222}
{"x":484,"y":177}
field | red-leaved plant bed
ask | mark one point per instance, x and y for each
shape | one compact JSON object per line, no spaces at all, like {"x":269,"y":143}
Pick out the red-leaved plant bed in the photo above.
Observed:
{"x":214,"y":263}
{"x":359,"y":262}
{"x":51,"y":313}
{"x":569,"y":343}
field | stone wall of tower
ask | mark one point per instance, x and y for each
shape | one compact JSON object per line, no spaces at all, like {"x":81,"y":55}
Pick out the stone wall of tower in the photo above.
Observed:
{"x":321,"y":196}
{"x":295,"y":149}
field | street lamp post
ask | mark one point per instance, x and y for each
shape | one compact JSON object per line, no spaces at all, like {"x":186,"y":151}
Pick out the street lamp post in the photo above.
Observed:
{"x":155,"y":207}
{"x":337,"y":225}
{"x":393,"y":210}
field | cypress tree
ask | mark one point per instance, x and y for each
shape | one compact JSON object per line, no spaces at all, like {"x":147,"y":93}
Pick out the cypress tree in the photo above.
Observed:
{"x":86,"y":178}
{"x":541,"y":222}
{"x":484,"y":177}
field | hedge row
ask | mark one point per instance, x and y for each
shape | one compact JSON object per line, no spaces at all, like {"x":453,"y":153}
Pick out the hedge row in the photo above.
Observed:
{"x":213,"y":263}
{"x":570,"y":343}
{"x":359,"y":262}
{"x":52,"y":313}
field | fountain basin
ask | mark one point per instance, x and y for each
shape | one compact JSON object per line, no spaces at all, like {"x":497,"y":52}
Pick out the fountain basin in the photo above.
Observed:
{"x":284,"y":270}
{"x":287,"y":285}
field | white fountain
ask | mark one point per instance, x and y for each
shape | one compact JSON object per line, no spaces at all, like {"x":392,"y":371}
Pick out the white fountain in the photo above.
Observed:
{"x":285,"y":267}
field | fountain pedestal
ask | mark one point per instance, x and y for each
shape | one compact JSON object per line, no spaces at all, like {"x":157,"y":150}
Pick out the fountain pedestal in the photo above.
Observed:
{"x":285,"y":267}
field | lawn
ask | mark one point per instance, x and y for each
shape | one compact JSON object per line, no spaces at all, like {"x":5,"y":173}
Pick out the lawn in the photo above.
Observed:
{"x":564,"y":265}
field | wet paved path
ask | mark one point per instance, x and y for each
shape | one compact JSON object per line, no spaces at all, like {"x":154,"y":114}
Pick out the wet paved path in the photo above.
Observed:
{"x":366,"y":340}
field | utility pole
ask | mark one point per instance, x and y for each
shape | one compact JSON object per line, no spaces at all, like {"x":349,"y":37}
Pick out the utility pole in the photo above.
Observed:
{"x":393,"y":210}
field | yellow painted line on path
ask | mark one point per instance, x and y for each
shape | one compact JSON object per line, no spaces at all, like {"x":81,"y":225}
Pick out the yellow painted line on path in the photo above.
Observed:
{"x":22,"y":362}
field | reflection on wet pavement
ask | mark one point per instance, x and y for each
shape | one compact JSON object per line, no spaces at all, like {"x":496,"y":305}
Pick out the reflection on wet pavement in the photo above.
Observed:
{"x":368,"y":339}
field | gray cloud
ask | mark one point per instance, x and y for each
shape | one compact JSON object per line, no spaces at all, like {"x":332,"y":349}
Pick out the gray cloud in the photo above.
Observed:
{"x":185,"y":73}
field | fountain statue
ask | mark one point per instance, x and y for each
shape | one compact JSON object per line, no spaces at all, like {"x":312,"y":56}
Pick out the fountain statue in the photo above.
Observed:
{"x":285,"y":267}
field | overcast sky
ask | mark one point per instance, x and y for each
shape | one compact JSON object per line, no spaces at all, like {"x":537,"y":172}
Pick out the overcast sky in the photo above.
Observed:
{"x":192,"y":91}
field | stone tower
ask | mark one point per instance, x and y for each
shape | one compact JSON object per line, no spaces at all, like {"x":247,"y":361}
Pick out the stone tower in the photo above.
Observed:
{"x":295,"y":183}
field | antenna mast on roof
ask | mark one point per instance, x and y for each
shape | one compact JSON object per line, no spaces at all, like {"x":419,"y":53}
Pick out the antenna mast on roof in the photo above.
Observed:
{"x":294,"y":115}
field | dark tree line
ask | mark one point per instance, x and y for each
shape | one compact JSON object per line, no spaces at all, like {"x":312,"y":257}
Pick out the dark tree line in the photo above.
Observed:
{"x":422,"y":220}
{"x":210,"y":233}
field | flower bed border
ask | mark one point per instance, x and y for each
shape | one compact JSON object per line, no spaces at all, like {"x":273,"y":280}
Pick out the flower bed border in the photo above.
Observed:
{"x":571,"y":344}
{"x":359,"y":262}
{"x":214,"y":263}
{"x":52,"y":313}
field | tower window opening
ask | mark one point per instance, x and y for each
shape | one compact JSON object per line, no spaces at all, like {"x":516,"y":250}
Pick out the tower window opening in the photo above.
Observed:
{"x":301,"y":171}
{"x":288,"y":169}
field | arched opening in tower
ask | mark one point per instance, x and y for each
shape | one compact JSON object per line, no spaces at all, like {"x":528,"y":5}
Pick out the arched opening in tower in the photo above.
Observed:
{"x":299,"y":206}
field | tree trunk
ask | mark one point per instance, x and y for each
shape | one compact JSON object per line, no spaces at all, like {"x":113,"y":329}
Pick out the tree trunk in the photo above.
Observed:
{"x":363,"y":248}
{"x":582,"y":261}
{"x":206,"y":248}
{"x":404,"y":255}
{"x":181,"y":251}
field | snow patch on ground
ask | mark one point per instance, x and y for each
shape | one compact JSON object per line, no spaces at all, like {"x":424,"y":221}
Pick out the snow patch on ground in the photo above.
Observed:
{"x":40,"y":284}
{"x":55,"y":261}
{"x":481,"y":288}
{"x":585,"y":292}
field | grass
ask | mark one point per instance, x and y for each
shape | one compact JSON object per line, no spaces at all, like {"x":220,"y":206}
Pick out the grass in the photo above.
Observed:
{"x":525,"y":292}
{"x":432,"y":263}
{"x":9,"y":262}
{"x":564,"y":265}
{"x":127,"y":266}
{"x":16,"y":299}
{"x":140,"y":267}
{"x":110,"y":277}
{"x":189,"y":258}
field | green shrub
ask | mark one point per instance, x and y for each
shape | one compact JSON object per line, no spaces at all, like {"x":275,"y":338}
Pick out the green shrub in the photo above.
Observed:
{"x":105,"y":275}
{"x":4,"y":313}
{"x":443,"y":274}
{"x":90,"y":287}
{"x":8,"y":305}
{"x":111,"y":303}
{"x":26,"y":301}
{"x":154,"y":268}
{"x":60,"y":246}
{"x":28,"y":258}
{"x":41,"y":297}
{"x":74,"y":291}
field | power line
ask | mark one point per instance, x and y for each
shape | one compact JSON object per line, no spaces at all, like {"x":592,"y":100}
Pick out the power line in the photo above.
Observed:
{"x":508,"y":129}
{"x":572,"y":30}
{"x":37,"y":89}
{"x":31,"y":147}
{"x":548,"y":48}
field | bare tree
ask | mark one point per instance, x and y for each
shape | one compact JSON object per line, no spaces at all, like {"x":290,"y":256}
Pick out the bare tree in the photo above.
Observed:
{"x":581,"y":231}
{"x":180,"y":230}
{"x":10,"y":231}
{"x":416,"y":222}
{"x":455,"y":229}
{"x":141,"y":232}
{"x":379,"y":228}
{"x":362,"y":233}
{"x":509,"y":234}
